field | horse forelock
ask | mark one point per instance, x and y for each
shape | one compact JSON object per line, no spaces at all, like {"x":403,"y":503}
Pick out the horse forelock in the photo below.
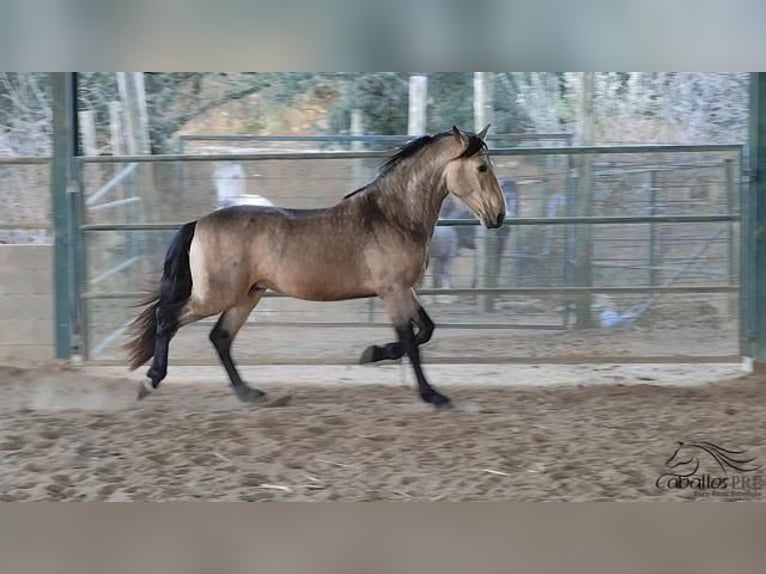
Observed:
{"x":475,"y":145}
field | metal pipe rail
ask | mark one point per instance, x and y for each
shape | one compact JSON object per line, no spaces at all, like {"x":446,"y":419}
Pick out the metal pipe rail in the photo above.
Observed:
{"x":11,"y":161}
{"x":602,"y":220}
{"x":640,"y":289}
{"x":351,"y":138}
{"x":605,"y":220}
{"x":364,"y":324}
{"x":575,"y":150}
{"x":25,"y":226}
{"x":571,"y":150}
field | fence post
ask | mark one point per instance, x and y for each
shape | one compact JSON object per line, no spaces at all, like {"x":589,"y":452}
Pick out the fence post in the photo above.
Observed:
{"x":64,"y":107}
{"x":418,"y":105}
{"x":754,"y":231}
{"x":88,"y":129}
{"x":80,"y":262}
{"x":584,"y":240}
{"x":731,"y":253}
{"x":116,"y":130}
{"x":570,"y":236}
{"x":133,"y":97}
{"x":483,"y":105}
{"x":653,"y":272}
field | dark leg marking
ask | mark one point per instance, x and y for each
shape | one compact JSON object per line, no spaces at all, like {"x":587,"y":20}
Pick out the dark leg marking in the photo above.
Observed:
{"x":167,"y":325}
{"x":409,"y":344}
{"x":222,"y":339}
{"x":394,"y":351}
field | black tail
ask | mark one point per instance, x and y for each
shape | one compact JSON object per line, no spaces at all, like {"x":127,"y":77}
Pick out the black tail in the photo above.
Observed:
{"x":174,"y":290}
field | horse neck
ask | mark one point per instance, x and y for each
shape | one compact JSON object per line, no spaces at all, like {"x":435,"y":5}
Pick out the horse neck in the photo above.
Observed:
{"x":414,"y":193}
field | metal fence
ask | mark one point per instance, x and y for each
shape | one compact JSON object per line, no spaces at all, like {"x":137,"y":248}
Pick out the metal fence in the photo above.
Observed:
{"x":616,"y":251}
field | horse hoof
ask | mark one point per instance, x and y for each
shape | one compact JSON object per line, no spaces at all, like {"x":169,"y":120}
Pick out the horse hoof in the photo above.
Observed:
{"x":144,"y":389}
{"x":282,"y":401}
{"x":368,"y":355}
{"x":250,"y":395}
{"x":443,"y":406}
{"x":439,"y":401}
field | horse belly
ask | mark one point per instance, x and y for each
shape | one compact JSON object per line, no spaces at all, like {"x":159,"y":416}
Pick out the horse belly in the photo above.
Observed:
{"x":323,"y":288}
{"x":317,"y":282}
{"x":317,"y":265}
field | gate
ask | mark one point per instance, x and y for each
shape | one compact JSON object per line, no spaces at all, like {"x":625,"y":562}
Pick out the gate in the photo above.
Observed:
{"x":635,"y":248}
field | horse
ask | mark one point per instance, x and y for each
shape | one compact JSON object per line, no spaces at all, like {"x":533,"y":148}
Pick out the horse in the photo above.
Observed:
{"x":372,"y":243}
{"x":448,"y":240}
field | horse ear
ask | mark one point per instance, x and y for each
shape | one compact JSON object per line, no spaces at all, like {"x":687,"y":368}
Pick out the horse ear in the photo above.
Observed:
{"x":483,"y":133}
{"x":459,"y":135}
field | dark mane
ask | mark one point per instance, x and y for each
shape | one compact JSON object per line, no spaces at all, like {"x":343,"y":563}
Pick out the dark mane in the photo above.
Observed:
{"x":407,"y":150}
{"x":475,"y":145}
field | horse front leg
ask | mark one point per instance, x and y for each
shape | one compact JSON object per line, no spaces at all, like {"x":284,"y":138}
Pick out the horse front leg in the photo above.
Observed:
{"x":395,"y":350}
{"x":404,"y":310}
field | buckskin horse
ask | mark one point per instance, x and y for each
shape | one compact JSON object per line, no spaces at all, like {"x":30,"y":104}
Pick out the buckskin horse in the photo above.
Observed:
{"x":372,"y":243}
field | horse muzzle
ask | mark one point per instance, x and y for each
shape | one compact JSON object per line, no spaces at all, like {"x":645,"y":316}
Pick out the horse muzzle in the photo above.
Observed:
{"x":494,"y":222}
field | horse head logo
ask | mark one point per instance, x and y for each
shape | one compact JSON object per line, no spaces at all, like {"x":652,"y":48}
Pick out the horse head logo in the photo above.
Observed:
{"x":688,"y":457}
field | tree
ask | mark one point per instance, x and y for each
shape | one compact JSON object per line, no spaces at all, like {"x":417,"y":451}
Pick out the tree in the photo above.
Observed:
{"x":640,"y":107}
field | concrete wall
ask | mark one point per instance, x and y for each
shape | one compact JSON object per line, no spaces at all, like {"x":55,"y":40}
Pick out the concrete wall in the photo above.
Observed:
{"x":26,"y":303}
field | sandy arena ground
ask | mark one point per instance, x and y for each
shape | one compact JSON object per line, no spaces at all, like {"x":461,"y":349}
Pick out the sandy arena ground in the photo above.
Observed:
{"x":519,"y":432}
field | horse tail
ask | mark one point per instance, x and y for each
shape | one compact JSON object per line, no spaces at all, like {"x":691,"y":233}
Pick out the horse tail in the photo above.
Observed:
{"x":171,"y":294}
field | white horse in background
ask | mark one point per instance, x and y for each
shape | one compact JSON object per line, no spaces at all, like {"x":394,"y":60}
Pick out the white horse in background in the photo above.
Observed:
{"x":231,"y":186}
{"x":230,"y":183}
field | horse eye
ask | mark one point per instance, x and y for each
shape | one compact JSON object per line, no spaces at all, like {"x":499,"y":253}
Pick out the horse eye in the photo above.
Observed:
{"x":482,"y":167}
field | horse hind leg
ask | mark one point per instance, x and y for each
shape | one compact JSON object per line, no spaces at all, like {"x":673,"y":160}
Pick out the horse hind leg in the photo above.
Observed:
{"x":403,"y":309}
{"x":222,"y":337}
{"x":168,"y":319}
{"x":165,"y":313}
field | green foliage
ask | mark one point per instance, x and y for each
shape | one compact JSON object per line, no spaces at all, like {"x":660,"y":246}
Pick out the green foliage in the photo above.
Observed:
{"x":450,"y":100}
{"x":689,"y":107}
{"x":383,"y":98}
{"x":509,"y":116}
{"x":25,"y":113}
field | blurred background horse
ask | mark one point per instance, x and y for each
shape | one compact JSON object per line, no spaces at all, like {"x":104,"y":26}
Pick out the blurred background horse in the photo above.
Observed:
{"x":447,"y":241}
{"x":230,"y":183}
